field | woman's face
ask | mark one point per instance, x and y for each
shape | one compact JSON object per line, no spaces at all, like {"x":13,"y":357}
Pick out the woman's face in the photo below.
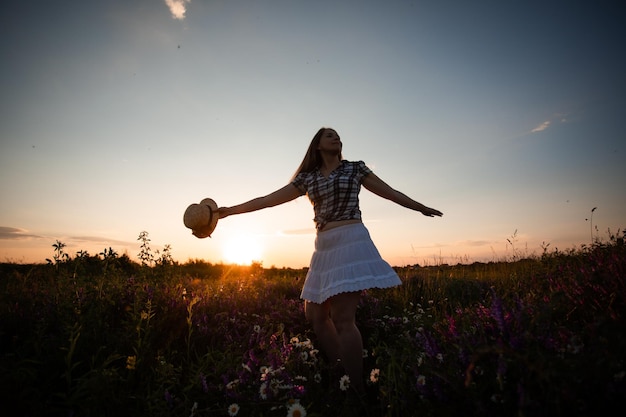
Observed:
{"x":330,"y":141}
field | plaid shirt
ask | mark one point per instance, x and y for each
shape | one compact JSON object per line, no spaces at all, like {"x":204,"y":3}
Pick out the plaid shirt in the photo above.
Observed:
{"x":336,"y":197}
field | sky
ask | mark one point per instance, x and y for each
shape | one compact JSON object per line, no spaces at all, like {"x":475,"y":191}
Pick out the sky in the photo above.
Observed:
{"x":508,"y":116}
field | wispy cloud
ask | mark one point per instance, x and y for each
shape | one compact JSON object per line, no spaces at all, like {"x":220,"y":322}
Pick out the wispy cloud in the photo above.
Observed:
{"x":474,"y":243}
{"x":178,"y":8}
{"x":556,"y":118}
{"x":13,"y":233}
{"x":100,"y":240}
{"x":543,"y":126}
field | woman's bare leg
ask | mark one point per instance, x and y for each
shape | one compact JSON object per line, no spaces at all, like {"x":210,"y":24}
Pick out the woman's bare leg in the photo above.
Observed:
{"x":334,"y":324}
{"x":343,"y":314}
{"x":324,"y":328}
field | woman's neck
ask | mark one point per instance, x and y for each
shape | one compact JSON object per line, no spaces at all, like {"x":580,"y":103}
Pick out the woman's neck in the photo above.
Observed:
{"x":329,"y":163}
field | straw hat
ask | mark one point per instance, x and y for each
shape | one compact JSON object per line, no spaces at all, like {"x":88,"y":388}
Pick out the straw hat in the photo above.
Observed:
{"x":201,"y":218}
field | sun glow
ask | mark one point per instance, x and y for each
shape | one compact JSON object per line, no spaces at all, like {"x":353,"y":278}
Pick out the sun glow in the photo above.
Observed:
{"x":242,"y":250}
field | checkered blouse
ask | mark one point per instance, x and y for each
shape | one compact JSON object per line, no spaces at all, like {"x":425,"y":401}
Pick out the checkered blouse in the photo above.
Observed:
{"x":336,"y":197}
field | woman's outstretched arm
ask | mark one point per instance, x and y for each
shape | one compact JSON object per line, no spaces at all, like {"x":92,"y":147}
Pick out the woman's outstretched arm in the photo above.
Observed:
{"x":287,"y":193}
{"x":382,"y":189}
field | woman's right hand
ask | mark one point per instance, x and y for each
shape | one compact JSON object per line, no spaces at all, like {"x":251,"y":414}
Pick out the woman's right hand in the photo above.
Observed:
{"x":223,"y":212}
{"x":431,"y":212}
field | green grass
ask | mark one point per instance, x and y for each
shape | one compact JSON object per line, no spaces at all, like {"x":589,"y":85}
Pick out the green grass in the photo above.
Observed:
{"x":105,"y":336}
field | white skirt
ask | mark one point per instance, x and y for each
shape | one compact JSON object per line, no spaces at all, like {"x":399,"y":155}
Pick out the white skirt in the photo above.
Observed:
{"x":346,"y":260}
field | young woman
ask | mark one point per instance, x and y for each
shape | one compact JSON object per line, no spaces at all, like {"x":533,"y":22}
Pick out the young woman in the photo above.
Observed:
{"x":345,"y":260}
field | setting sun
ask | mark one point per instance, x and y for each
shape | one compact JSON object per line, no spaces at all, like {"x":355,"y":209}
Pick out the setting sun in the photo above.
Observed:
{"x":242,"y":250}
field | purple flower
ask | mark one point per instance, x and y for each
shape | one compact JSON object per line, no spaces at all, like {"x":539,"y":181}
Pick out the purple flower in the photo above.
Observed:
{"x":205,"y":387}
{"x":169,"y":399}
{"x":496,"y":311}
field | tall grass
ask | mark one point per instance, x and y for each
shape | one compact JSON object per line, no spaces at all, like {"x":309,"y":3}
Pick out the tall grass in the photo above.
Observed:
{"x":103,"y":335}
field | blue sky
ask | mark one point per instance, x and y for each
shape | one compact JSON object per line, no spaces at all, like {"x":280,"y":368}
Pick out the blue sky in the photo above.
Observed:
{"x":507,"y":116}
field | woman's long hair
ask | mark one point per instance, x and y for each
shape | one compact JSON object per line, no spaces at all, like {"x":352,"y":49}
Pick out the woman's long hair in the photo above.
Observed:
{"x":313,"y":159}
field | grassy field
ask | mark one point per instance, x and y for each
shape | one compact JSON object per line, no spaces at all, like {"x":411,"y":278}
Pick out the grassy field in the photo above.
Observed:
{"x":103,"y":335}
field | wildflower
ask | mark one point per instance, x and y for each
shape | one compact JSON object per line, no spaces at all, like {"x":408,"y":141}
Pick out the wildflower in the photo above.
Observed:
{"x":246,"y":367}
{"x":233,"y":409}
{"x":421,"y":380}
{"x":497,"y":311}
{"x":304,"y":356}
{"x":497,"y":398}
{"x":131,"y":361}
{"x":169,"y":399}
{"x":265,"y":372}
{"x":296,"y":410}
{"x":298,"y":390}
{"x":301,"y":344}
{"x":374,"y":375}
{"x":317,"y":377}
{"x":263,"y":391}
{"x":420,"y":359}
{"x":232,"y":384}
{"x":257,"y":328}
{"x":144,"y":315}
{"x":205,"y":386}
{"x":194,"y":408}
{"x":344,"y":383}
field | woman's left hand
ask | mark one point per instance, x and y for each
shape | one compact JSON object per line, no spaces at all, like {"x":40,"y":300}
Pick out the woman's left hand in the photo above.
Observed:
{"x":431,"y":212}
